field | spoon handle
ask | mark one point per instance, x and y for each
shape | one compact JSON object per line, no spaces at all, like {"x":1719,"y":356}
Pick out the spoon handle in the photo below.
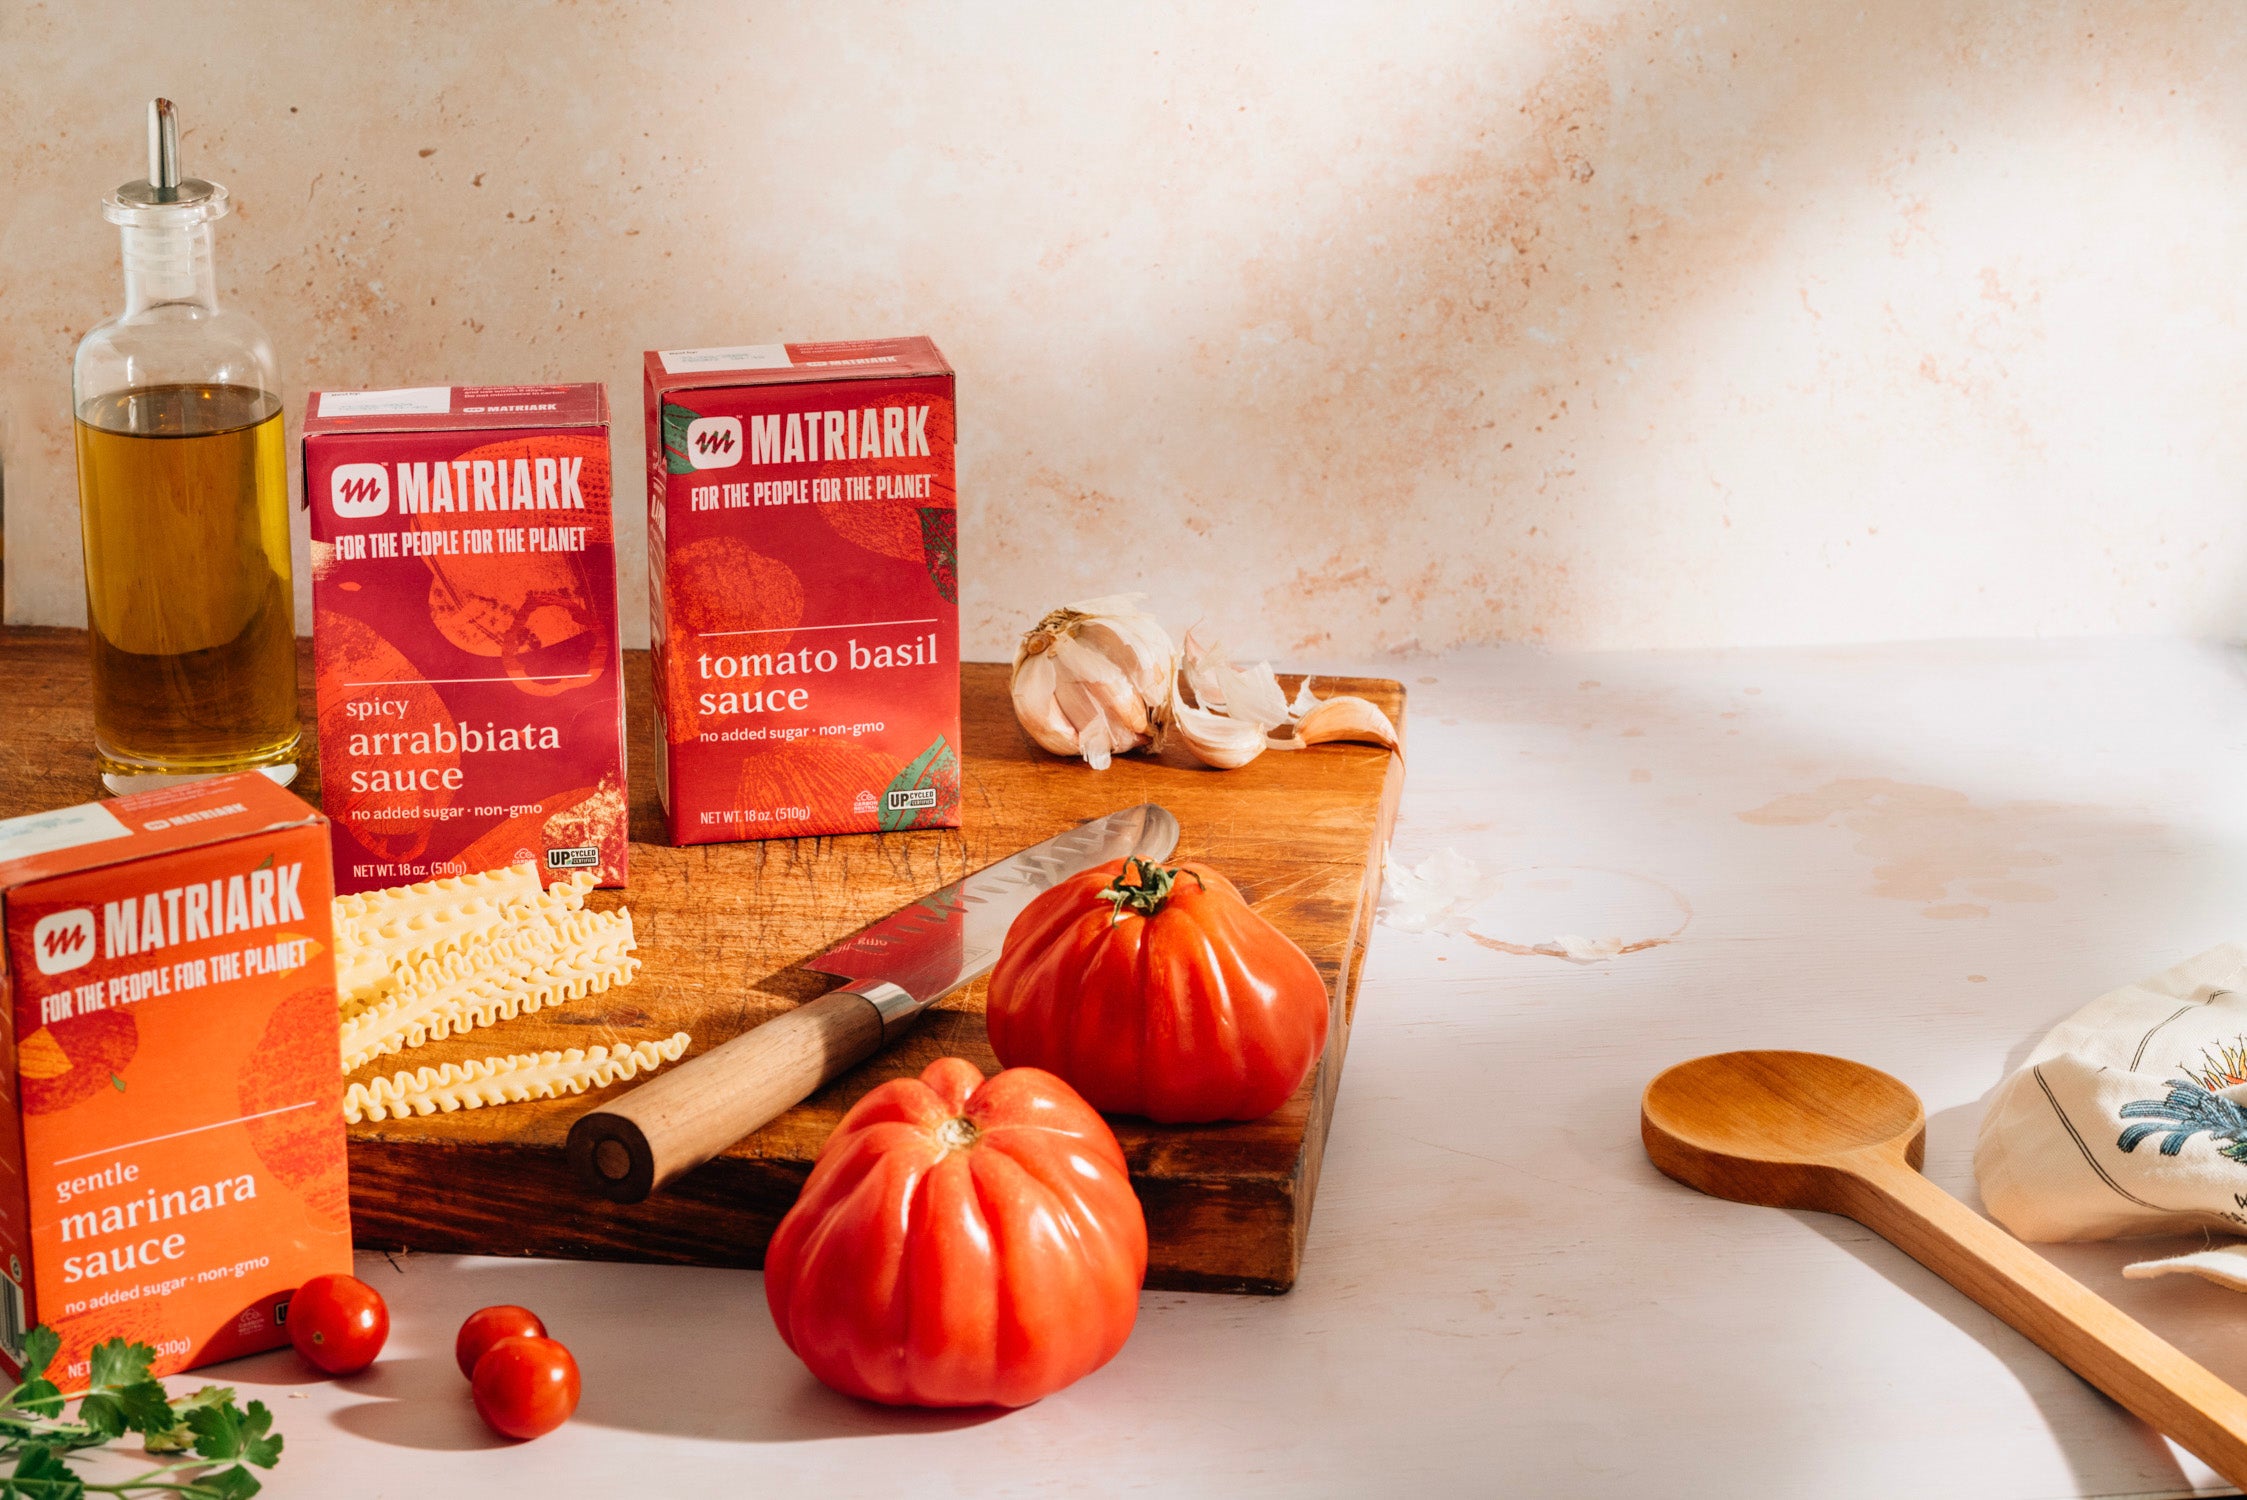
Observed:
{"x":2090,"y":1335}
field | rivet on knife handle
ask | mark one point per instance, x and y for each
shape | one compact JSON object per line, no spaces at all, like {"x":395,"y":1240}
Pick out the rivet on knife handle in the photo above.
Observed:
{"x":678,"y":1120}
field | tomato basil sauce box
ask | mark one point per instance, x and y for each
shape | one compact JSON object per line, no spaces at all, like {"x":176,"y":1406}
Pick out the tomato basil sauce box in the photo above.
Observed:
{"x":803,"y":579}
{"x":464,"y":632}
{"x":171,"y":1131}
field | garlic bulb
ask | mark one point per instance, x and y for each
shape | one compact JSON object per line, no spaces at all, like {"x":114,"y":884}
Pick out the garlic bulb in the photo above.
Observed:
{"x":1094,"y":679}
{"x":1100,"y":678}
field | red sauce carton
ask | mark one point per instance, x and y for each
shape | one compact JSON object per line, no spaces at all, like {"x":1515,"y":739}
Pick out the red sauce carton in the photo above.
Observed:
{"x":803,"y":577}
{"x":464,"y":631}
{"x":171,"y":1127}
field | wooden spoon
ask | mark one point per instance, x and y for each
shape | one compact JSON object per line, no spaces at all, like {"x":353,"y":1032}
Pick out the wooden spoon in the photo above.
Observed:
{"x":1800,"y":1130}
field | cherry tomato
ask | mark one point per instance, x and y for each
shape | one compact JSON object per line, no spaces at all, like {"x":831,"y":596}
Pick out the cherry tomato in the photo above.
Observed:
{"x":487,"y":1326}
{"x":525,"y":1387}
{"x":339,"y":1323}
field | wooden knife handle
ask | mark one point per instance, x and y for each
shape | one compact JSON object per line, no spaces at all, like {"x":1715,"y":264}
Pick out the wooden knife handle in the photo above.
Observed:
{"x":678,"y":1120}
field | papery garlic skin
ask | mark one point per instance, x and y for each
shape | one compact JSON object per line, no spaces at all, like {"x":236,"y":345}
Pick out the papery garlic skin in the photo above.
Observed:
{"x":1250,"y":694}
{"x":1094,"y":678}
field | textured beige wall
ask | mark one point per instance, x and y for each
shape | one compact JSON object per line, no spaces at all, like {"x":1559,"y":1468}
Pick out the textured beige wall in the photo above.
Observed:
{"x":1355,"y":328}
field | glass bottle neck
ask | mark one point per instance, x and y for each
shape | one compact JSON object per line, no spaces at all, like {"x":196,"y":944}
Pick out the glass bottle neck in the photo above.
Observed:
{"x":167,"y":266}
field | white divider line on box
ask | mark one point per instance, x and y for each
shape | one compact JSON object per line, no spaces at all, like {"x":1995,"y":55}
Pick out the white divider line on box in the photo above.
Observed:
{"x":61,"y":1161}
{"x":448,"y":681}
{"x":802,"y":629}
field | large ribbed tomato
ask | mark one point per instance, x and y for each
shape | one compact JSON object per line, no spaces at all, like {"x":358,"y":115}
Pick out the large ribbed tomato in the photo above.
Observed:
{"x":961,"y":1243}
{"x":1157,"y":992}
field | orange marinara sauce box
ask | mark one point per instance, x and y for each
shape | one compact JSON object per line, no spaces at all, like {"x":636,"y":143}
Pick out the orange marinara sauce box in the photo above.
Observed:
{"x":171,"y":1129}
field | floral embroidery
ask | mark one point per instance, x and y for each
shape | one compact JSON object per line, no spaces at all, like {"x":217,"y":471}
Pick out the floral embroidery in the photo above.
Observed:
{"x":2188,"y":1111}
{"x":2221,"y":1065}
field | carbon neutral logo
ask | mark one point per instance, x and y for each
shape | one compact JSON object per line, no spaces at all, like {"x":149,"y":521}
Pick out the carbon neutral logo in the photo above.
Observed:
{"x":356,"y":491}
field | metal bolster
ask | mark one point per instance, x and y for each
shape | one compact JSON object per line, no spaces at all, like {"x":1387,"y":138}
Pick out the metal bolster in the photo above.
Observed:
{"x":893,"y":1003}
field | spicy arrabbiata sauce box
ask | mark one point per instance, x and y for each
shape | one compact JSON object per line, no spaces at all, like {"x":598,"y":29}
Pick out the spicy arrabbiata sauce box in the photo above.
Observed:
{"x":171,"y":1136}
{"x":464,"y":631}
{"x":803,"y":574}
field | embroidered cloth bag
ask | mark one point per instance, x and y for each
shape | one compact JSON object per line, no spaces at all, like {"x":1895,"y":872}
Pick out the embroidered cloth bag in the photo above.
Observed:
{"x":2130,"y":1118}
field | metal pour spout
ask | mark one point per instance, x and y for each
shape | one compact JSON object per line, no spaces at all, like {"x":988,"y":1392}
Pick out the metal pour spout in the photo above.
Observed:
{"x":166,"y":223}
{"x":161,"y":199}
{"x":163,"y":150}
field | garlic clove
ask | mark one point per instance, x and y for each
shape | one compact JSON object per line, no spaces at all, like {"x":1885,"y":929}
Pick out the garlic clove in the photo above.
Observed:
{"x":1213,"y":739}
{"x":1139,"y":648}
{"x":1346,"y":718}
{"x":1102,"y":729}
{"x":1102,"y":681}
{"x":1093,"y":744}
{"x":1096,"y":737}
{"x":1036,"y":688}
{"x":1305,"y":700}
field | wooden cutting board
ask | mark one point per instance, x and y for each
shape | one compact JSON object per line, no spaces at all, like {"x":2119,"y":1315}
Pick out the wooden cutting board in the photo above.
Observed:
{"x":722,"y":926}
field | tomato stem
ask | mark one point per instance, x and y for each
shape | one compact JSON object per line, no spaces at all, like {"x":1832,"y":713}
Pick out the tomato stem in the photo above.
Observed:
{"x":1146,"y":894}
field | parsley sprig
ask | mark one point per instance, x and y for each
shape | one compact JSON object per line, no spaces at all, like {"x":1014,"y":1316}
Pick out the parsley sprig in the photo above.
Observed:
{"x":223,"y":1439}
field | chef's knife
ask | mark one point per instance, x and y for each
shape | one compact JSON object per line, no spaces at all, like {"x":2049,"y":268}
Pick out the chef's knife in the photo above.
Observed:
{"x":895,"y":969}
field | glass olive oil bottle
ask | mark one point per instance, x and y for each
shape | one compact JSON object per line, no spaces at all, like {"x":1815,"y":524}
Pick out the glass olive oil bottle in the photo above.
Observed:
{"x":183,"y":504}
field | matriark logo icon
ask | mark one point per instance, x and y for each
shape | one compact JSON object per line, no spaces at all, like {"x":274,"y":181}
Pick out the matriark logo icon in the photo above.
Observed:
{"x":63,"y":941}
{"x":356,"y":491}
{"x":714,"y":442}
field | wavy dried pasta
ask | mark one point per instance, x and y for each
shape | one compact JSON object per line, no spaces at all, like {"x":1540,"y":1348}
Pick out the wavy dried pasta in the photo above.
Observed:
{"x":376,"y":930}
{"x":383,"y":935}
{"x":368,"y":968}
{"x":505,"y":1080}
{"x":495,"y":978}
{"x":421,"y":963}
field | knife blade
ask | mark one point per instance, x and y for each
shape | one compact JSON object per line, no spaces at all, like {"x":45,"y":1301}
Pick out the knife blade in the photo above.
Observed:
{"x":952,"y":935}
{"x":894,"y":968}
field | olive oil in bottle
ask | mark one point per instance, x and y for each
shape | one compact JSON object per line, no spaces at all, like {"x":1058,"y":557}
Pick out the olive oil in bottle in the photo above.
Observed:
{"x":183,"y":504}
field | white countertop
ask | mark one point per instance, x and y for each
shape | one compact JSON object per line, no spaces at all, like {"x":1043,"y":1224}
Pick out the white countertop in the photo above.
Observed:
{"x":1500,"y":1295}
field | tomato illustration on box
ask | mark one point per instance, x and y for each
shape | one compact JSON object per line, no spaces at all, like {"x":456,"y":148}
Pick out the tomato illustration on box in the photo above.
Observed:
{"x":171,"y":1136}
{"x":803,"y":572}
{"x":471,"y":694}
